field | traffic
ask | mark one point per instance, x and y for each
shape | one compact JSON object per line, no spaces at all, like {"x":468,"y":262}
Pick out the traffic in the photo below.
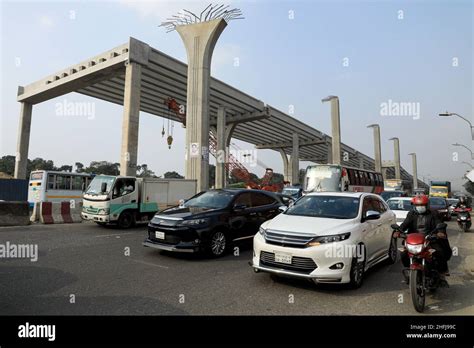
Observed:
{"x":335,"y":227}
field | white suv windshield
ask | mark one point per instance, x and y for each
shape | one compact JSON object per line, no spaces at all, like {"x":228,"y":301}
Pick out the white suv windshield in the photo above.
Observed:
{"x":333,"y":207}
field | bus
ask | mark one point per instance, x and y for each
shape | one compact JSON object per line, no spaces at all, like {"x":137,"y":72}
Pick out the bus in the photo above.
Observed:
{"x":52,"y":186}
{"x":334,"y":178}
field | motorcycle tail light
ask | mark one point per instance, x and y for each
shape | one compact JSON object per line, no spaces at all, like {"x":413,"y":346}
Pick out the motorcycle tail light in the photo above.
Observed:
{"x":414,"y":248}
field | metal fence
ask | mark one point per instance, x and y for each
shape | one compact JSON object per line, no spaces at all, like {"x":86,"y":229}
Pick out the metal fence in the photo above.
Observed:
{"x":13,"y":189}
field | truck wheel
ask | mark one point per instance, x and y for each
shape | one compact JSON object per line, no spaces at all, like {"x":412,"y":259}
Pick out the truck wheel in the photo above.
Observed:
{"x":125,"y":220}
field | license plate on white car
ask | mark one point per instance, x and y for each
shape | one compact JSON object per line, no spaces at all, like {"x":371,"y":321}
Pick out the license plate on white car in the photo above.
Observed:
{"x":159,"y":235}
{"x":283,"y":258}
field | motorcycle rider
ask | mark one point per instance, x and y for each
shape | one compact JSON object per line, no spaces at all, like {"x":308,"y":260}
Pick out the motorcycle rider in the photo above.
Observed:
{"x":422,"y":220}
{"x":462,"y":203}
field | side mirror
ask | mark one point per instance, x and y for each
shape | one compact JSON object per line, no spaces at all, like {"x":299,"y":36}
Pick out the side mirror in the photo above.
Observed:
{"x":239,"y":207}
{"x":282,"y":208}
{"x":372,"y":215}
{"x":441,"y":226}
{"x":103,"y":187}
{"x":395,"y":226}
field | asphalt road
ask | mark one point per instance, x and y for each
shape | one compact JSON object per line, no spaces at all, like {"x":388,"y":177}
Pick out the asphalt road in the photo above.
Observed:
{"x":90,"y":262}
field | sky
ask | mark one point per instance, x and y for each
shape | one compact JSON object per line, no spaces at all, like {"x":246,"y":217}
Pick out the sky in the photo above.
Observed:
{"x":374,"y":55}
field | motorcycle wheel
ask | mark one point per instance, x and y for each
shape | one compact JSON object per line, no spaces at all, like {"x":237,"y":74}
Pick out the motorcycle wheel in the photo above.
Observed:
{"x":417,"y":290}
{"x":466,"y":227}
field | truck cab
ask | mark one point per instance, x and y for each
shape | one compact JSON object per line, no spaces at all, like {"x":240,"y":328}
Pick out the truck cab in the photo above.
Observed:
{"x":125,"y":200}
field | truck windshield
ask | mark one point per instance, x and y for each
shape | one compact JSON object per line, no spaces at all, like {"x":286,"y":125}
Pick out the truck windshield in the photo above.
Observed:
{"x":443,"y":190}
{"x":96,"y":185}
{"x":323,"y":178}
{"x":210,"y":199}
{"x":332,"y":207}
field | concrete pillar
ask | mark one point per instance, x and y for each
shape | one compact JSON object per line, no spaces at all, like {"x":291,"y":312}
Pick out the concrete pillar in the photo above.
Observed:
{"x":23,"y":142}
{"x":361,"y":161}
{"x":396,"y":158}
{"x":199,"y":40}
{"x":377,"y":147}
{"x":336,"y":129}
{"x":131,"y":118}
{"x":284,"y":157}
{"x":295,"y":160}
{"x":415,"y":170}
{"x":221,"y":155}
{"x":329,"y":157}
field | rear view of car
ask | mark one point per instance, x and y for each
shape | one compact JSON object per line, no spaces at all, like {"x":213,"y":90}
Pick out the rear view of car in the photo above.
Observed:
{"x":440,"y":205}
{"x":401,"y":207}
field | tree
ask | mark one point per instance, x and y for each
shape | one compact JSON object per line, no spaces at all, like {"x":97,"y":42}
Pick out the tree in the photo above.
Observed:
{"x":65,"y":168}
{"x":103,"y":167}
{"x":173,"y":175}
{"x":7,"y":164}
{"x":144,"y":172}
{"x":79,"y":167}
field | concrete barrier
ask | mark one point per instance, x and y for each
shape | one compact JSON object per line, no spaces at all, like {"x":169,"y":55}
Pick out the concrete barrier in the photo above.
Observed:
{"x":14,"y":213}
{"x":60,"y":212}
{"x":35,"y":215}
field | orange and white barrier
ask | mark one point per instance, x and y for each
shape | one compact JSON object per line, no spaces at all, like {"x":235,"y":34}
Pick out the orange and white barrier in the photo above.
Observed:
{"x":60,"y":212}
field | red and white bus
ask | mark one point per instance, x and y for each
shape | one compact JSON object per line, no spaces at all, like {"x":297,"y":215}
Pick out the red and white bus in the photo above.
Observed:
{"x":334,"y":178}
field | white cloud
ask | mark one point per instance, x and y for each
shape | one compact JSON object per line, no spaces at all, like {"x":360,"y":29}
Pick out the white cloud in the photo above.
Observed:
{"x":226,"y":55}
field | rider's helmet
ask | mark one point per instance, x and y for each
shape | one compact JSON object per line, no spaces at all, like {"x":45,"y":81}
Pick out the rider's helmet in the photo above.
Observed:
{"x":462,"y":200}
{"x":420,"y":202}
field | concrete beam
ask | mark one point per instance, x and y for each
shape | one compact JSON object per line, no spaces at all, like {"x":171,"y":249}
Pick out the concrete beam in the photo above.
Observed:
{"x":23,"y":142}
{"x":287,"y":144}
{"x":131,"y":118}
{"x":377,"y":147}
{"x":247,"y":117}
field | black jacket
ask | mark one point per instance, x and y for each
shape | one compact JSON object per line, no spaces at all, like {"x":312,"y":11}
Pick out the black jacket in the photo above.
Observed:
{"x":410,"y":223}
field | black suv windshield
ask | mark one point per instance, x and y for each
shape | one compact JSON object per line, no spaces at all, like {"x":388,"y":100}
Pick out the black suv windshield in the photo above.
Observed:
{"x":211,"y":199}
{"x":334,"y":207}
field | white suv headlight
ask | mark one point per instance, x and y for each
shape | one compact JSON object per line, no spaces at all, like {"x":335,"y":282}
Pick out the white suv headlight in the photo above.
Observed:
{"x":414,"y":248}
{"x":262,"y":231}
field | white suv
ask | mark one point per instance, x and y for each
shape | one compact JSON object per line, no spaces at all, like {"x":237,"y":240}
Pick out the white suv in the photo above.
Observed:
{"x":327,"y":237}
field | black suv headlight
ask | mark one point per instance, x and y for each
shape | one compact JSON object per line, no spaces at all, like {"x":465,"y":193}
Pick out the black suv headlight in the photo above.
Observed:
{"x":194,"y":222}
{"x":329,"y":239}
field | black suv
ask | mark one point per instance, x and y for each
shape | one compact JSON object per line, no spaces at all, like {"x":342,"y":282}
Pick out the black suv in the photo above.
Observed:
{"x":211,"y":220}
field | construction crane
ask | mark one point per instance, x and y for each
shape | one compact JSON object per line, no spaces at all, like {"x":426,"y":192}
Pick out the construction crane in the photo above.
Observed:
{"x":233,"y":166}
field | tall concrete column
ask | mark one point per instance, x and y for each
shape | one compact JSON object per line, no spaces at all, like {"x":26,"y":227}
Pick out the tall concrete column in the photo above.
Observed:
{"x":221,"y":155}
{"x":284,"y":157}
{"x":131,"y":118}
{"x":396,"y":158}
{"x":336,"y":129}
{"x":199,"y":40}
{"x":295,"y":160}
{"x":361,"y":161}
{"x":415,"y":170}
{"x":377,"y":147}
{"x":23,"y":142}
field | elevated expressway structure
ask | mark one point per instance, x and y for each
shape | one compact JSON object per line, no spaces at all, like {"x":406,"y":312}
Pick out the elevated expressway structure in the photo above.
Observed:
{"x":140,"y":78}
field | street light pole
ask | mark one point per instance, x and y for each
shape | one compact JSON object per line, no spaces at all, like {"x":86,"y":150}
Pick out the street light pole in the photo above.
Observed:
{"x":468,"y":149}
{"x":415,"y":170}
{"x":377,"y":147}
{"x":447,"y":114}
{"x":336,"y":128}
{"x":396,"y":148}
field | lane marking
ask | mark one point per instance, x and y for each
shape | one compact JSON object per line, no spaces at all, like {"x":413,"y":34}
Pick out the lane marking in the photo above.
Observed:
{"x":116,"y":234}
{"x":149,"y":263}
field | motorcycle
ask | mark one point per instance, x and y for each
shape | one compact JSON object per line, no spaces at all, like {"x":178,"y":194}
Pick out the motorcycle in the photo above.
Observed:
{"x":422,"y":274}
{"x":463,"y":218}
